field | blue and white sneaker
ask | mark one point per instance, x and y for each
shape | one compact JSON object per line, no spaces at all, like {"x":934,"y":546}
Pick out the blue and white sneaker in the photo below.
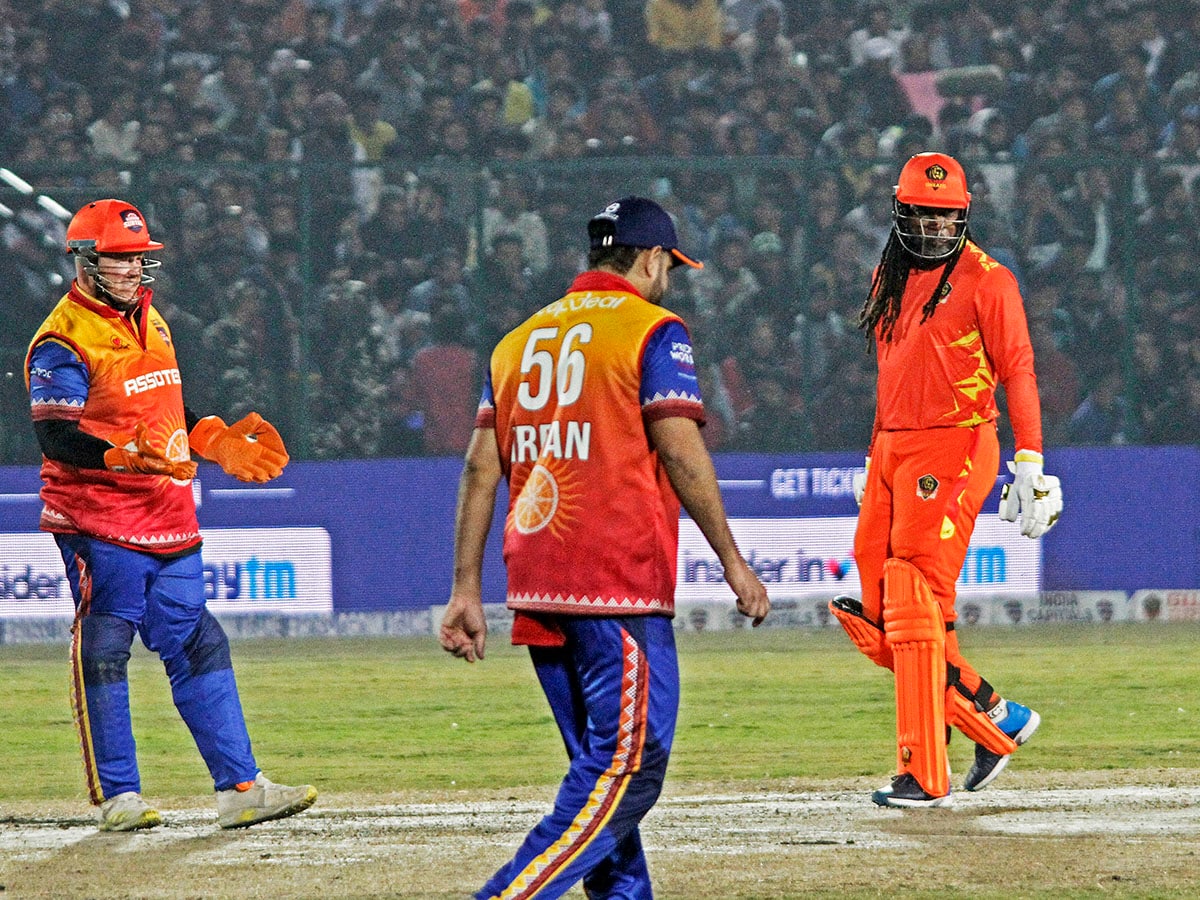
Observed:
{"x":1019,"y":723}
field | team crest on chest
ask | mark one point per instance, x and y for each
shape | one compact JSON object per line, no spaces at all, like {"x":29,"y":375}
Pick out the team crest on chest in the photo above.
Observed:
{"x":945,"y":295}
{"x":927,"y":487}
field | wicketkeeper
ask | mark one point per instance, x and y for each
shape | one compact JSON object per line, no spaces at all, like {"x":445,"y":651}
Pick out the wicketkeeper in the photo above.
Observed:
{"x":117,"y":444}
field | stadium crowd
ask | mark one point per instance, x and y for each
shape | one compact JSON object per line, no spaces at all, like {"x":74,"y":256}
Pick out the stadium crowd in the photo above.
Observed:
{"x":358,"y":197}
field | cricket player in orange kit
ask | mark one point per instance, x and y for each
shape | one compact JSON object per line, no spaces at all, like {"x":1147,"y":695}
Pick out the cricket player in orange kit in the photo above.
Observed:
{"x":948,"y":326}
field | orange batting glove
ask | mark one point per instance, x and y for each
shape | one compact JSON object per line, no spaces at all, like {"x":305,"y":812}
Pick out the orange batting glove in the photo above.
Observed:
{"x":140,"y":457}
{"x":249,"y":450}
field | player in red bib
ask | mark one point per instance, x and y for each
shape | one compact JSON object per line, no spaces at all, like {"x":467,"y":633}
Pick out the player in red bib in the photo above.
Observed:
{"x":116,"y":440}
{"x":948,"y":325}
{"x":591,"y":410}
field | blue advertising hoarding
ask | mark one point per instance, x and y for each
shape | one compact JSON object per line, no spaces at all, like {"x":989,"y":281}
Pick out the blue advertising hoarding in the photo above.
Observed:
{"x":366,"y":535}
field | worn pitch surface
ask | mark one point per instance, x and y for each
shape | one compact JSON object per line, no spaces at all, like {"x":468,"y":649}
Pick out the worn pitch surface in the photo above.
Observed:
{"x":1087,"y":834}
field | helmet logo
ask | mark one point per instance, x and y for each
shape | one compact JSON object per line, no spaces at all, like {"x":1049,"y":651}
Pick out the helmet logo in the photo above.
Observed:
{"x":132,"y":221}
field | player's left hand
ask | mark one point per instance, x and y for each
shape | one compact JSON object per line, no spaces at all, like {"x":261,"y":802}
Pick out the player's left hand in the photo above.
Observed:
{"x":752,"y":599}
{"x":464,"y":628}
{"x":1033,"y":495}
{"x":249,"y":449}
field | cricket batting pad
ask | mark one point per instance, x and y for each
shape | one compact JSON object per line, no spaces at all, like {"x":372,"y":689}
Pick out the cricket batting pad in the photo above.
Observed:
{"x":973,"y":722}
{"x":912,"y":622}
{"x":866,"y":635}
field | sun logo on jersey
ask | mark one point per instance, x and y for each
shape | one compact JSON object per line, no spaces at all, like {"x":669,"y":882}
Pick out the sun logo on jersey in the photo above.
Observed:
{"x":537,"y":503}
{"x":543,"y":500}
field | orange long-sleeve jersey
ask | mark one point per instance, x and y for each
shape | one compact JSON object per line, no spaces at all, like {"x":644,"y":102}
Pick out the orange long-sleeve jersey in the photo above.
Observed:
{"x":943,"y":372}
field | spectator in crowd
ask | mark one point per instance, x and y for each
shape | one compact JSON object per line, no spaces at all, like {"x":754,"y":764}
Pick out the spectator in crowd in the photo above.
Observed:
{"x":373,"y":135}
{"x":114,"y":134}
{"x":684,"y":25}
{"x":765,"y":47}
{"x":448,"y":287}
{"x":504,"y":287}
{"x":775,"y":419}
{"x":512,"y":211}
{"x":725,"y":290}
{"x":442,"y":382}
{"x":1102,"y":417}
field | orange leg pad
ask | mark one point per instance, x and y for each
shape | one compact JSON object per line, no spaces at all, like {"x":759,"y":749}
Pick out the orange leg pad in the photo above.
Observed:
{"x":967,"y":718}
{"x":912,"y":622}
{"x":866,"y":635}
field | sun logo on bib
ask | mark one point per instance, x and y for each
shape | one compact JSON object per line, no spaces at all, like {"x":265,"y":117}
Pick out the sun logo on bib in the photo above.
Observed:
{"x":537,"y":502}
{"x":178,"y":449}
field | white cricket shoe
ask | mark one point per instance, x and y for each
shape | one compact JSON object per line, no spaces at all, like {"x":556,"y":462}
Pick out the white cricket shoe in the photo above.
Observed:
{"x":261,"y":800}
{"x":127,"y":812}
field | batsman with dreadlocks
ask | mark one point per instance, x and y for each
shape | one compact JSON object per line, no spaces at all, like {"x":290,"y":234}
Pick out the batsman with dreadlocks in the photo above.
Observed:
{"x":948,"y":324}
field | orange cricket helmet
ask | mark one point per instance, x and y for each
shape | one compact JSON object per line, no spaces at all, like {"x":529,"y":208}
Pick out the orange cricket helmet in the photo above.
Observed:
{"x":109,"y":226}
{"x":933,"y":179}
{"x":931,"y":206}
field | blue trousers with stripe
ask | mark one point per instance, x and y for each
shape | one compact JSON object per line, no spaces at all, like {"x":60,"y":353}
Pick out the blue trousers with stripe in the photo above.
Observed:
{"x":614,"y":691}
{"x":119,"y":593}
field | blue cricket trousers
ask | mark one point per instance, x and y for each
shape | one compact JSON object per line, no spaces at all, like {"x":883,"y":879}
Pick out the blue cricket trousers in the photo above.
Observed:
{"x":614,"y":691}
{"x":120,"y":592}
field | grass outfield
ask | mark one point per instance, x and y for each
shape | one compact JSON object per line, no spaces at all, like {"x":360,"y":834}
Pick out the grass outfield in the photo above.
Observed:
{"x":758,"y":708}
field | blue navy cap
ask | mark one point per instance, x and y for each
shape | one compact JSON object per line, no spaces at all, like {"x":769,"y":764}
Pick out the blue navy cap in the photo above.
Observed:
{"x":637,"y":222}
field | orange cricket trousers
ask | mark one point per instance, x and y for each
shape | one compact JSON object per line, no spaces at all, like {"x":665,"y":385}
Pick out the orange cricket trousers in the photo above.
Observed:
{"x":924,"y":491}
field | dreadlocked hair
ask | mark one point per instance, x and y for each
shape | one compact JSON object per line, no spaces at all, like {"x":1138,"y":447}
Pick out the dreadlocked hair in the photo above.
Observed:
{"x":887,"y":288}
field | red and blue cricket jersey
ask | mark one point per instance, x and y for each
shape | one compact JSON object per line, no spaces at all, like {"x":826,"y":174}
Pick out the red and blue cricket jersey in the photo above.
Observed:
{"x":568,"y":393}
{"x":91,"y":365}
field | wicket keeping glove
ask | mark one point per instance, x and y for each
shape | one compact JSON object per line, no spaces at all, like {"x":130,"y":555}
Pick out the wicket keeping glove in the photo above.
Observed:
{"x":859,"y":482}
{"x":249,"y":450}
{"x":140,"y":457}
{"x":1037,"y":497}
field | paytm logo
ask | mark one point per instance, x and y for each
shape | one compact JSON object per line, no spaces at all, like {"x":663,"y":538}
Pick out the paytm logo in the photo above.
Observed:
{"x":984,"y":565}
{"x":253,"y":579}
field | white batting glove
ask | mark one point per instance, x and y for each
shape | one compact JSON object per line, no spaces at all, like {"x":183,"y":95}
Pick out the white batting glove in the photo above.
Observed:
{"x":1035,"y":496}
{"x":859,"y":482}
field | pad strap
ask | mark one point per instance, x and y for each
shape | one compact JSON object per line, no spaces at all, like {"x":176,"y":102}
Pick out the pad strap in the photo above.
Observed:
{"x":966,"y":712}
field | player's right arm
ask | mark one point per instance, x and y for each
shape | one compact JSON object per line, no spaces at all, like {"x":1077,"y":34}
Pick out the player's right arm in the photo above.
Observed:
{"x":689,"y":467}
{"x":58,"y":389}
{"x":464,"y":628}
